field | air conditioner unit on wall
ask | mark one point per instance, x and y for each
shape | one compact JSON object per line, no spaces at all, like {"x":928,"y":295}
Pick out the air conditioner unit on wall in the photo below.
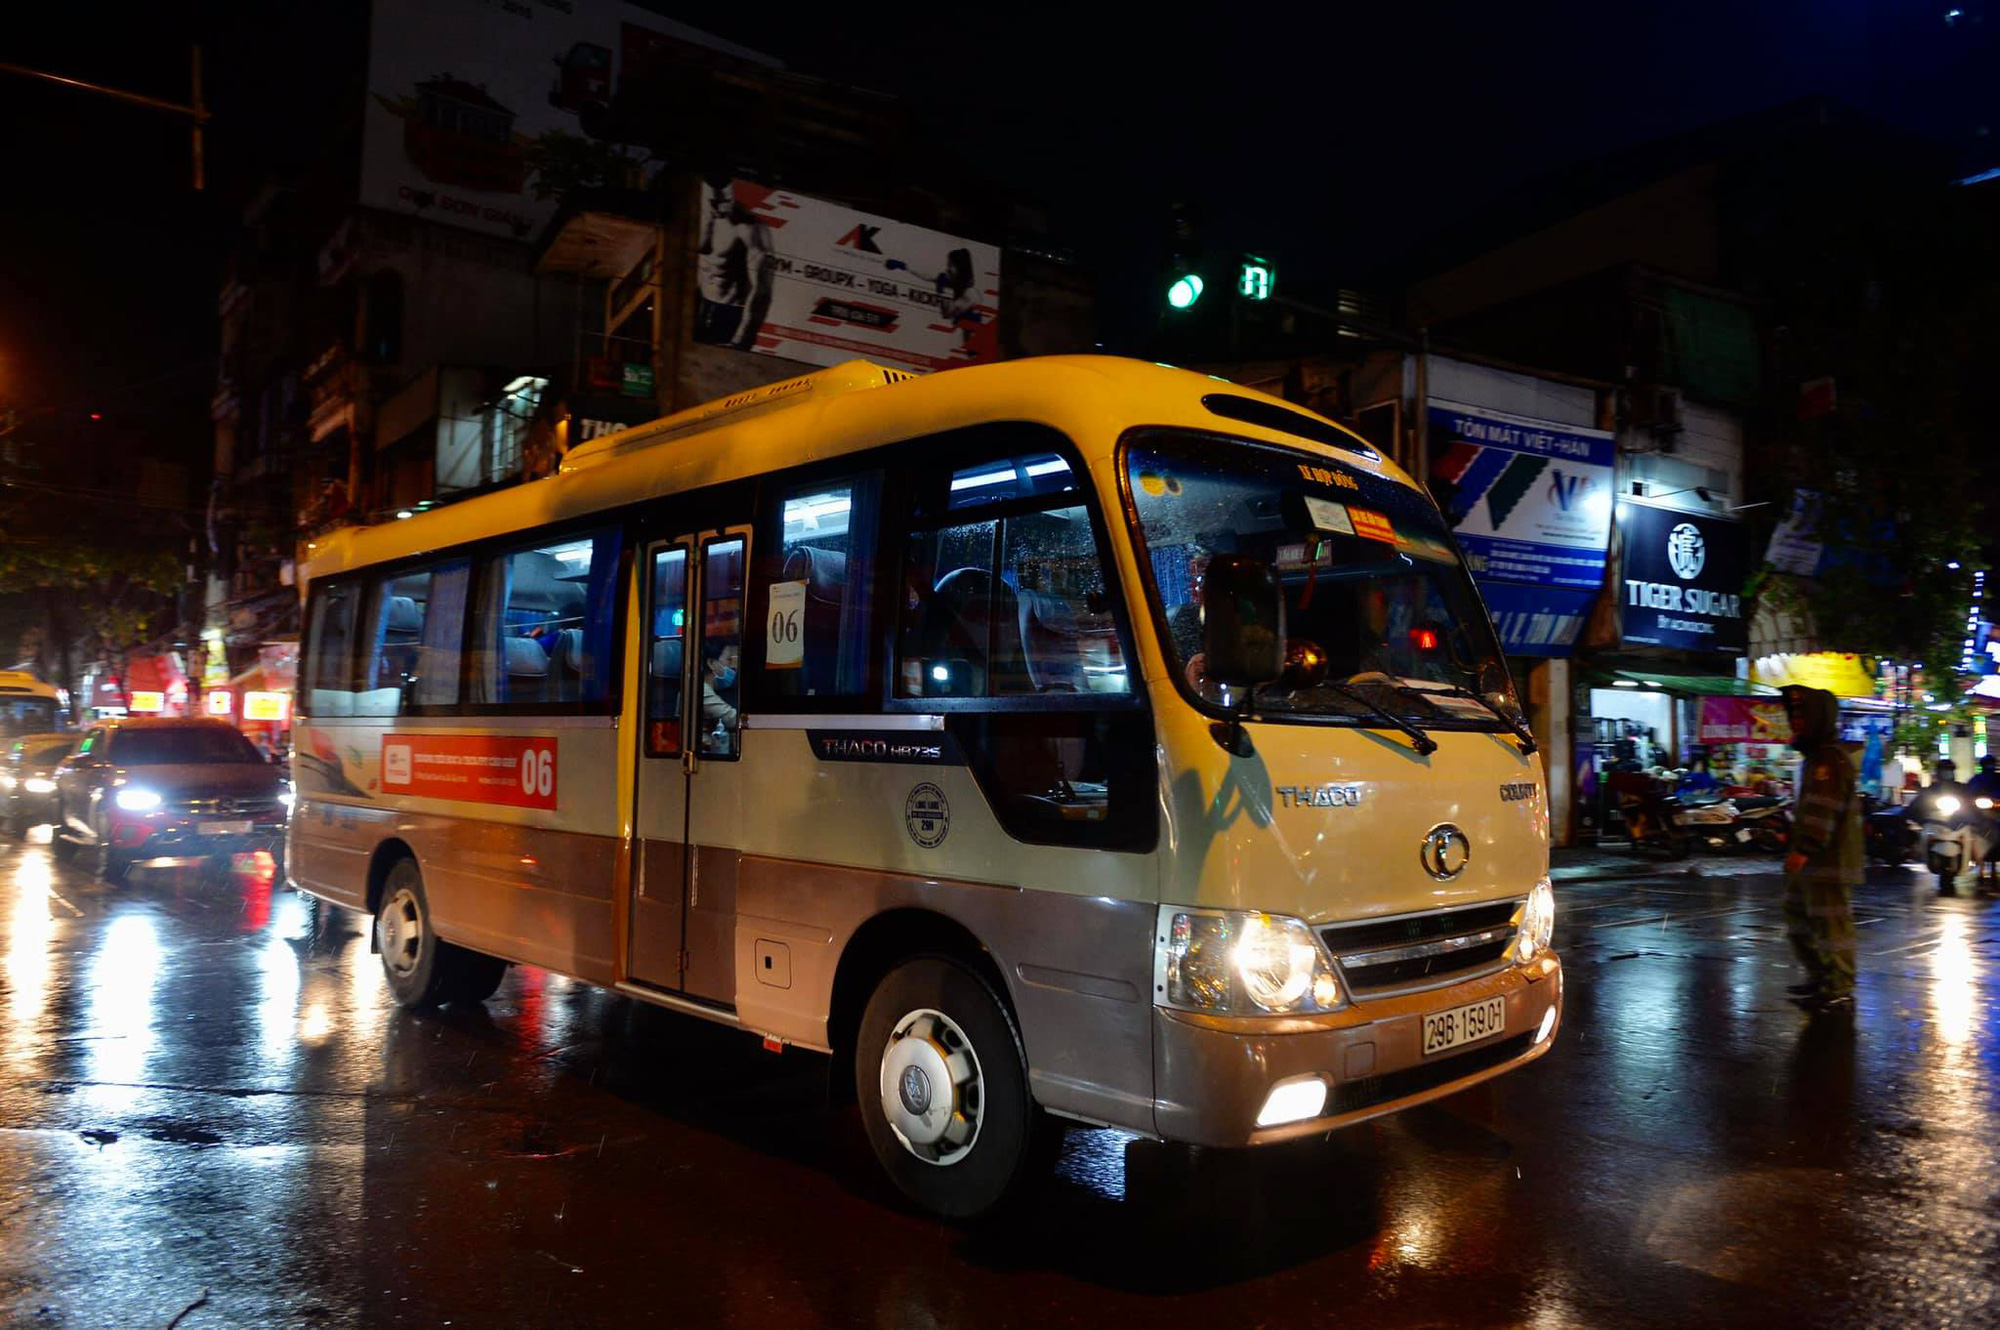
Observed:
{"x":1654,"y":409}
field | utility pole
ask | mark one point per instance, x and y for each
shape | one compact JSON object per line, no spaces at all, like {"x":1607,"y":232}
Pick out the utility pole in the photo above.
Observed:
{"x":196,"y":110}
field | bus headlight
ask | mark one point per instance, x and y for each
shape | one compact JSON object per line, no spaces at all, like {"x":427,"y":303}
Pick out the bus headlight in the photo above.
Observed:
{"x":1241,"y":962}
{"x":1538,"y":923}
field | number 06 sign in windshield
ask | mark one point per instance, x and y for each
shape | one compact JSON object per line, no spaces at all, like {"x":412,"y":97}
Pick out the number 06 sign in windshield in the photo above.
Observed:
{"x":475,"y":768}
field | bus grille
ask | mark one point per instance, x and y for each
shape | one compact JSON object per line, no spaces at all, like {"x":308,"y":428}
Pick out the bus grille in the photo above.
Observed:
{"x":1352,"y":1096}
{"x":1389,"y":956}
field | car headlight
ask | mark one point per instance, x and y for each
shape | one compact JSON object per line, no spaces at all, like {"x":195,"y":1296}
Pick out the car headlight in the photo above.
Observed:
{"x":1538,"y":922}
{"x":287,"y":798}
{"x":1947,"y":804}
{"x":1241,"y":962}
{"x":6,"y":782}
{"x":136,"y":800}
{"x":39,"y":785}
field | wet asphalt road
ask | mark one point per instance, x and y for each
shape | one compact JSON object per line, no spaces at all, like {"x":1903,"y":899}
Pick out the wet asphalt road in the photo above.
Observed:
{"x":204,"y":1091}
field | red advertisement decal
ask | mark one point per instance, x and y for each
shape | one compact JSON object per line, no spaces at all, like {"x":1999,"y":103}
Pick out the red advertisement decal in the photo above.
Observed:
{"x":474,"y":768}
{"x":1371,"y":525}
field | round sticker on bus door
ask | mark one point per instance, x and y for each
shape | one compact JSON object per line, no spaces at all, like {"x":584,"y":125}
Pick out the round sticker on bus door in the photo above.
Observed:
{"x":927,"y":815}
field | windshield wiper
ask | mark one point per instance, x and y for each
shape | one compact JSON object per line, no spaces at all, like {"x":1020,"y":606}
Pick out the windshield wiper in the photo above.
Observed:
{"x":1519,"y":730}
{"x":1423,"y":743}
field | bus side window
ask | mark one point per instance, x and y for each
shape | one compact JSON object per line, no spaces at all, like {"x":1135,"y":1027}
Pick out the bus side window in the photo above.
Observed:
{"x":328,"y":665}
{"x":666,"y":652}
{"x":542,"y":628}
{"x":418,"y":619}
{"x":1005,"y":601}
{"x":720,"y":683}
{"x":819,"y":562}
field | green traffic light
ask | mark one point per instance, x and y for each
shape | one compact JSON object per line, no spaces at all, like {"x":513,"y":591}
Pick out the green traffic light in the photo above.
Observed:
{"x":1185,"y":291}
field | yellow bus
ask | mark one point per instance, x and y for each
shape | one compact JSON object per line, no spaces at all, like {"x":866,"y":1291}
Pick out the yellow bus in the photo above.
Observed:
{"x":1062,"y":739}
{"x":27,"y":705}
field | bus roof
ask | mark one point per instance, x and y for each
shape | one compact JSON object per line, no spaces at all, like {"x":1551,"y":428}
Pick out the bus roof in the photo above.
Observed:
{"x":20,"y":681}
{"x":849,"y":408}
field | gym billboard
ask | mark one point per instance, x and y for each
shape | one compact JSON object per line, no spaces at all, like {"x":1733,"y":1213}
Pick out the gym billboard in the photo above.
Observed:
{"x":782,"y":274}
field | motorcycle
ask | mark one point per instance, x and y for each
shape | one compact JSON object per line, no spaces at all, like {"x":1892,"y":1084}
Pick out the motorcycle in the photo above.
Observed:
{"x":1757,"y":823}
{"x":1890,"y":835}
{"x":1959,"y":834}
{"x":1652,"y":817}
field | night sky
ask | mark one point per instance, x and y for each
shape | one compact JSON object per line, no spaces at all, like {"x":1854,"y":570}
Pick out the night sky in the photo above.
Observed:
{"x":1350,"y":145}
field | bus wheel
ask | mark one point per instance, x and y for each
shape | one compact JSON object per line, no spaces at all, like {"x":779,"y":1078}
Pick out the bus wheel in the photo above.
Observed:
{"x":943,"y":1086}
{"x":423,"y":970}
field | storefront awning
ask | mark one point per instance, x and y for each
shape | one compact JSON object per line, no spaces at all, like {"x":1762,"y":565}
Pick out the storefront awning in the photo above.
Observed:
{"x":1693,"y":685}
{"x":1840,"y":673}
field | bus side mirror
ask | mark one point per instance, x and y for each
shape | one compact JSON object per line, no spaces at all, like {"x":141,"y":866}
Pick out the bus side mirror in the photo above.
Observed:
{"x":1242,"y":622}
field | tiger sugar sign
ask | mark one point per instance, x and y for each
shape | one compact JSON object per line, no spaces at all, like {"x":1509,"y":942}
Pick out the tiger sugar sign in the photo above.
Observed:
{"x":519,"y":772}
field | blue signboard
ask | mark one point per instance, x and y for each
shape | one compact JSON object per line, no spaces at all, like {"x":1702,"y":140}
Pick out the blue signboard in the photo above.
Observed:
{"x":1530,"y":503}
{"x":1529,"y":500}
{"x":1537,"y":620}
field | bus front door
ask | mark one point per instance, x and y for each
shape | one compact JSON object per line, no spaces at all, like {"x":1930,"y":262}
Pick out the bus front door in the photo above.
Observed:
{"x":683,"y":924}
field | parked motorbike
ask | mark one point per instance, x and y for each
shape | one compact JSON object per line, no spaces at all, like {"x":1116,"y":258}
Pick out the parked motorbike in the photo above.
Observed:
{"x":1652,"y":817}
{"x":1891,"y":836}
{"x":1755,"y":823}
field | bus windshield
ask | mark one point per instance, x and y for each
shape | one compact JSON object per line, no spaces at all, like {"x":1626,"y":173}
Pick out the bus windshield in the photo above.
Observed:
{"x":1374,"y":586}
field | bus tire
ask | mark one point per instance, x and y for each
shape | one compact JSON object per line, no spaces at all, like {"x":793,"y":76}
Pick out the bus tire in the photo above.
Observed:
{"x":478,"y":976}
{"x":423,"y":970}
{"x":942,"y":1081}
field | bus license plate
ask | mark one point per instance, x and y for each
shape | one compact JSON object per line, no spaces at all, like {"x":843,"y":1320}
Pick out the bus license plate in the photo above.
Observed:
{"x":224,"y":828}
{"x":1445,"y":1030}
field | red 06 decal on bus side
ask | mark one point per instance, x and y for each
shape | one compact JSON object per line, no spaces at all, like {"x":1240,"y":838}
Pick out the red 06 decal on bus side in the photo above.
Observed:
{"x":474,"y":768}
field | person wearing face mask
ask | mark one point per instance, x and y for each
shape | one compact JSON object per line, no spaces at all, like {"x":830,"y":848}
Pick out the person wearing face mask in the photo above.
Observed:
{"x":718,"y":686}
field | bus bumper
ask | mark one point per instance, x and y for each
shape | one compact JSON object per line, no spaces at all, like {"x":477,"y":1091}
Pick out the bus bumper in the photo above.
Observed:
{"x":1213,"y":1074}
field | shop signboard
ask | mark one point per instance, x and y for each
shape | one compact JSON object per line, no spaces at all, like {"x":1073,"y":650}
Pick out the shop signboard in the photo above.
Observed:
{"x":266,"y":706}
{"x":1681,"y":580}
{"x":782,"y":274}
{"x":1530,"y":503}
{"x":1742,"y":720}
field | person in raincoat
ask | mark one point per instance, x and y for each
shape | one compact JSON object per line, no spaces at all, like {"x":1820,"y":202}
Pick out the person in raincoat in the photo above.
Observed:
{"x":1826,"y":857}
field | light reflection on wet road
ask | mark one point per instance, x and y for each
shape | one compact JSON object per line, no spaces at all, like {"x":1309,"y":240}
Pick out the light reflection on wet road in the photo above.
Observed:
{"x":205,"y":1088}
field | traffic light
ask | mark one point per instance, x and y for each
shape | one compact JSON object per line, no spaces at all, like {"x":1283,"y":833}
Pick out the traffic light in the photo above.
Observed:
{"x":1256,"y":278}
{"x":1184,"y":290}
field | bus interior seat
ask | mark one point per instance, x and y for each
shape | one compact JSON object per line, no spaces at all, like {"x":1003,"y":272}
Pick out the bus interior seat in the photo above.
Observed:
{"x":567,"y":666}
{"x":972,"y":628}
{"x":669,"y":657}
{"x":825,"y":574}
{"x":1052,"y":643}
{"x":527,"y":670}
{"x":403,"y":625}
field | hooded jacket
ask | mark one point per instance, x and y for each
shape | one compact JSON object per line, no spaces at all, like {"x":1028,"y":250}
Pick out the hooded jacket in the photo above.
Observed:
{"x":1827,"y":825}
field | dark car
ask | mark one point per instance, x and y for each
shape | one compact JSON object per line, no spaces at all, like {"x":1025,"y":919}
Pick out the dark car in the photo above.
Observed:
{"x":140,"y":790}
{"x":27,"y":780}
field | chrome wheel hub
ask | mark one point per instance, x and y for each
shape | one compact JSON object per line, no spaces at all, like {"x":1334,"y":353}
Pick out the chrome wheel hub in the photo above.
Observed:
{"x":399,"y":931}
{"x":931,"y":1087}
